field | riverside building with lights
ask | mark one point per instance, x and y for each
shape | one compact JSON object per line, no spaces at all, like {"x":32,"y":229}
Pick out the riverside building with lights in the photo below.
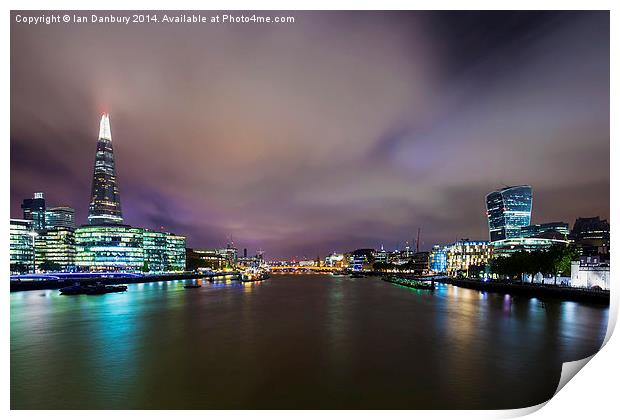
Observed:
{"x":207,"y":260}
{"x":507,"y":247}
{"x":438,"y":259}
{"x":129,"y":249}
{"x":544,"y":228}
{"x":21,"y":246}
{"x":56,"y":246}
{"x":464,"y":257}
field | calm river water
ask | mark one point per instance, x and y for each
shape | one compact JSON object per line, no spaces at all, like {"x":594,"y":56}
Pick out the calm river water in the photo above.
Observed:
{"x":293,"y":342}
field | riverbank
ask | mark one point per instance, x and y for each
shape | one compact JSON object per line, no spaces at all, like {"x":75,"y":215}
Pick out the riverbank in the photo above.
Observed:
{"x":19,"y":286}
{"x":532,"y":290}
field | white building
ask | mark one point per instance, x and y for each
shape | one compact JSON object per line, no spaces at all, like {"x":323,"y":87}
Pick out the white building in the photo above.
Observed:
{"x":589,"y":272}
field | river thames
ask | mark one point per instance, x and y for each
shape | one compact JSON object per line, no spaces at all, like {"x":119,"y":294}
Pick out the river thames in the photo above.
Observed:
{"x":297,"y":342}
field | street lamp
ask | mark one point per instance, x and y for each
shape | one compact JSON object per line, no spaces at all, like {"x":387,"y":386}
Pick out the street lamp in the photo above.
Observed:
{"x":33,"y":234}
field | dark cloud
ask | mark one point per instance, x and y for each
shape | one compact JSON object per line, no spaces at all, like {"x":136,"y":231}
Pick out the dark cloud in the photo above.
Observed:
{"x":343,"y":130}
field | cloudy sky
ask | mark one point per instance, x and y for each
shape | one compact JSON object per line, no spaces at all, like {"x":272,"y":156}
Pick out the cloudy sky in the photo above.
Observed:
{"x":341,"y":130}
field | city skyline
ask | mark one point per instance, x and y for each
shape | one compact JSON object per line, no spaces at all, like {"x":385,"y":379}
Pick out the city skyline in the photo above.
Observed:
{"x":376,"y":171}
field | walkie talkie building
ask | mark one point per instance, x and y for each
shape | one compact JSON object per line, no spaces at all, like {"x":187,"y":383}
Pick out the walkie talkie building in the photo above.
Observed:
{"x":105,"y":204}
{"x":508,"y":210}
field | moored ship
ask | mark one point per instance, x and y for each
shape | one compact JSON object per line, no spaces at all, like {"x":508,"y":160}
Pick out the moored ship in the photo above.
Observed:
{"x":91,"y":289}
{"x":410,"y":282}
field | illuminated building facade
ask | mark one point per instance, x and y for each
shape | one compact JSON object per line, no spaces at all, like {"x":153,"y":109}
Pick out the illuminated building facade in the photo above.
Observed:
{"x":335,"y":260}
{"x":591,"y":235}
{"x":105,"y":205}
{"x":109,"y":248}
{"x":175,"y":253}
{"x":361,"y":259}
{"x":155,"y":251}
{"x":60,"y":217}
{"x":381,"y":256}
{"x":34,"y":209}
{"x":252,"y":262}
{"x":507,"y":247}
{"x":56,"y":245}
{"x":230,"y":254}
{"x":508,"y":210}
{"x":438,"y":259}
{"x":463,"y":255}
{"x":206,"y":260}
{"x":126,"y":248}
{"x":21,"y":245}
{"x":539,"y":229}
{"x":591,"y":271}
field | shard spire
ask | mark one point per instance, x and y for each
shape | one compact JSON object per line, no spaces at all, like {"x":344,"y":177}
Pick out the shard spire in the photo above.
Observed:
{"x":104,"y":127}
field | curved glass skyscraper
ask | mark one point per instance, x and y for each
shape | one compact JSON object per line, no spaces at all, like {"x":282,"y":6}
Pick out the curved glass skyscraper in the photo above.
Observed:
{"x":508,"y":210}
{"x":105,"y":203}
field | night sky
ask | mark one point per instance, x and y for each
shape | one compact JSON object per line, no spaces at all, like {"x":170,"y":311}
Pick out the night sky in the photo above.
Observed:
{"x":342,"y":130}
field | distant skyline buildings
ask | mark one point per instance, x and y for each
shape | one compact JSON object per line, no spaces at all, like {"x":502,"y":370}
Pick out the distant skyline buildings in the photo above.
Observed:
{"x":301,"y":161}
{"x":105,"y":203}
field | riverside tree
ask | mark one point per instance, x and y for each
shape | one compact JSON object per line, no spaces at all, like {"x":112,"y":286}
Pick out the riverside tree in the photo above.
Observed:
{"x":554,"y":261}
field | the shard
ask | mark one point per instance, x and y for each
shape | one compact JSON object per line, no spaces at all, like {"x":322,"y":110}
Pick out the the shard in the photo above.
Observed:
{"x":105,"y":203}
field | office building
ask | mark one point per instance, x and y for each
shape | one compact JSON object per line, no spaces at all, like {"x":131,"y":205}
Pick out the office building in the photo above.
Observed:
{"x":508,"y":210}
{"x":109,"y":248}
{"x":591,"y":235}
{"x":464,"y":256}
{"x":55,"y":249}
{"x":507,"y":247}
{"x":60,"y":217}
{"x":438,"y":259}
{"x":175,"y":253}
{"x":206,"y":260}
{"x":381,"y":256}
{"x":34,"y":209}
{"x":361,"y":259}
{"x":105,"y":204}
{"x":230,"y":254}
{"x":21,"y":246}
{"x":542,"y":228}
{"x":155,"y":251}
{"x":126,"y":248}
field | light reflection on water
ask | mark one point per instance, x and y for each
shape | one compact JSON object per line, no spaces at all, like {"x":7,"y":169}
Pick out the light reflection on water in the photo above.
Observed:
{"x":293,"y":342}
